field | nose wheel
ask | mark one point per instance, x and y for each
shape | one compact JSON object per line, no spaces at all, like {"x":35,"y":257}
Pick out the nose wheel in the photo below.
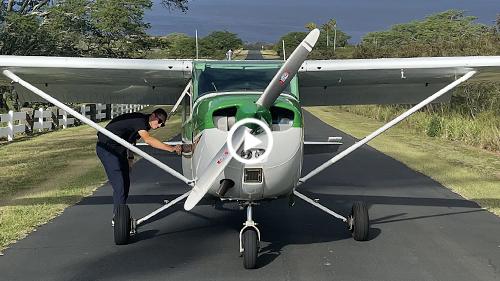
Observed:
{"x":250,"y":248}
{"x":249,"y":241}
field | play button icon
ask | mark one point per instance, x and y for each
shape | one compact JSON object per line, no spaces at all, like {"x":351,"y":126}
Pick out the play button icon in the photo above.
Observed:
{"x":252,"y":145}
{"x":251,"y":141}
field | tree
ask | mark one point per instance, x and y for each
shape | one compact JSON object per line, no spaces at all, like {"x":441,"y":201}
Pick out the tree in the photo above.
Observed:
{"x":326,"y":27}
{"x":310,"y":26}
{"x":175,"y":37}
{"x":446,"y":26}
{"x":99,"y":28}
{"x":497,"y":21}
{"x":292,"y":40}
{"x":342,"y":40}
{"x":175,"y":4}
{"x":215,"y":45}
{"x":223,"y":41}
{"x":119,"y":28}
{"x":333,"y":23}
{"x":184,"y":49}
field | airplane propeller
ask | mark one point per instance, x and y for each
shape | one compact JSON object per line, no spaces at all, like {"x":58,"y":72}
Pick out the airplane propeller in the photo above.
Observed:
{"x":265,"y":101}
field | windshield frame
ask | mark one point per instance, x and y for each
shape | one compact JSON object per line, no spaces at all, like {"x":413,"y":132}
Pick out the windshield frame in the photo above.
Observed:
{"x":236,"y":76}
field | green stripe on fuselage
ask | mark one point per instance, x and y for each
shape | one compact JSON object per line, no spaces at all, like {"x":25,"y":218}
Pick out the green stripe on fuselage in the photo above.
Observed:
{"x":224,"y":84}
{"x":204,"y":109}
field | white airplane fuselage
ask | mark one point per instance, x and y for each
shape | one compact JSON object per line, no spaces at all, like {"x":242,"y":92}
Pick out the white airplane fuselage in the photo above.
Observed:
{"x":272,"y":177}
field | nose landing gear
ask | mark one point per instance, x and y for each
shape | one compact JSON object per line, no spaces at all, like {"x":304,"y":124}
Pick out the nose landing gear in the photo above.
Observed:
{"x":249,"y":240}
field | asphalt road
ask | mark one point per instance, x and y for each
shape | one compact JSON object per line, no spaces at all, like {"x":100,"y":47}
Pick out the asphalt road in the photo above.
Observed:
{"x":419,"y":231}
{"x":254,"y":55}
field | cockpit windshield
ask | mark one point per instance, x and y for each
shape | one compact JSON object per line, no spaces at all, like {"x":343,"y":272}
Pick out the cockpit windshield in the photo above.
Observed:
{"x":216,"y":77}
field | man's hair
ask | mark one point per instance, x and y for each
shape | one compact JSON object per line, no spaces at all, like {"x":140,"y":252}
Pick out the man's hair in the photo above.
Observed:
{"x":160,"y":111}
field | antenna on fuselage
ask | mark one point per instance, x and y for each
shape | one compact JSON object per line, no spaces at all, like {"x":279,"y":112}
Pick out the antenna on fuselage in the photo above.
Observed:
{"x":284,"y":56}
{"x":196,"y":35}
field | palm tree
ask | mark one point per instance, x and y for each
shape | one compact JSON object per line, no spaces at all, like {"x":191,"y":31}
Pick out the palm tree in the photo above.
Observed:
{"x":310,"y":26}
{"x":333,"y":23}
{"x":498,"y":23}
{"x":326,"y":27}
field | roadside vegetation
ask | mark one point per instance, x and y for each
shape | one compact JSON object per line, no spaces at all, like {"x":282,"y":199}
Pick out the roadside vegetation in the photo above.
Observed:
{"x":466,"y":170}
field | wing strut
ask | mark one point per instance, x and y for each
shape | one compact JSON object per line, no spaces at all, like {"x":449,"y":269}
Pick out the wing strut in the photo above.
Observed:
{"x":385,"y":127}
{"x":92,"y":124}
{"x":186,"y":91}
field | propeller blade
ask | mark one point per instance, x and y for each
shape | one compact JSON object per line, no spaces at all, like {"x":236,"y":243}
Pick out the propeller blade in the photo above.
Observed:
{"x":288,"y":70}
{"x":213,"y":170}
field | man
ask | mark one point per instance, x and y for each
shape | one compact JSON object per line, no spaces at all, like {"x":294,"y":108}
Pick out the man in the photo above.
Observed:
{"x":117,"y":160}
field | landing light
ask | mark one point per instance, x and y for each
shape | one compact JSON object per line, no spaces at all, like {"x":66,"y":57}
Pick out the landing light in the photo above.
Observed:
{"x":259,"y":152}
{"x":246,"y":154}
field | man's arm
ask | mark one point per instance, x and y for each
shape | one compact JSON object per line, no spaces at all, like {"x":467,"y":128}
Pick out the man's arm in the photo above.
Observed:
{"x":157,"y":143}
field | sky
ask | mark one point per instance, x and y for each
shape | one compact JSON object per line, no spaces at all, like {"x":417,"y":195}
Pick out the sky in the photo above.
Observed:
{"x":268,"y":20}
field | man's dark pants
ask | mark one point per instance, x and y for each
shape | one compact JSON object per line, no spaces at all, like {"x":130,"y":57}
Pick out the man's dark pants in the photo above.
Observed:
{"x":117,"y":169}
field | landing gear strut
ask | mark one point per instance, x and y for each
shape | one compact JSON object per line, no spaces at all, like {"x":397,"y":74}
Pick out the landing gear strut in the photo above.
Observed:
{"x":358,"y":221}
{"x":249,"y":240}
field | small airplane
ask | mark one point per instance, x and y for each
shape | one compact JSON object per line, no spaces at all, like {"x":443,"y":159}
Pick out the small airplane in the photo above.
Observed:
{"x":242,"y":124}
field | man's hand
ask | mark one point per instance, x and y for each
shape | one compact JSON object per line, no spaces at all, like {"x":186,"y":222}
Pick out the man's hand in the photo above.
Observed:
{"x":178,"y":149}
{"x":158,"y":144}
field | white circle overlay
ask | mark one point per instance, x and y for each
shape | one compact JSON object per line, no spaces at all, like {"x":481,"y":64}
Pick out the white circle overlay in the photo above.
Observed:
{"x":241,"y":123}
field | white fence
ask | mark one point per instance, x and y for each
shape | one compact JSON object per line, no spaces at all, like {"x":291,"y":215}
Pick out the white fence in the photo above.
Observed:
{"x":11,"y":118}
{"x":48,"y":119}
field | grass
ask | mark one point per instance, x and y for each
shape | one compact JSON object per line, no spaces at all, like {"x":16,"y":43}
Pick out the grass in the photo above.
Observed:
{"x":30,"y":194}
{"x":270,"y":55}
{"x":240,"y":54}
{"x":468,"y":171}
{"x":44,"y":174}
{"x":482,"y":131}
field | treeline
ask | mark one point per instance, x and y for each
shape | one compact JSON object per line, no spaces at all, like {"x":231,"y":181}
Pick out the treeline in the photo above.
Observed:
{"x":181,"y":46}
{"x":450,"y":33}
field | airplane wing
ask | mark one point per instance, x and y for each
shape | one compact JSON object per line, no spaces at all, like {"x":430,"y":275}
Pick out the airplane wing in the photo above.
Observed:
{"x":99,"y":80}
{"x":323,"y":82}
{"x":387,"y":81}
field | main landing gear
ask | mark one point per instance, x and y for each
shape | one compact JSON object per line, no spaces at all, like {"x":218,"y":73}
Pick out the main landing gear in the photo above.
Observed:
{"x":358,"y":222}
{"x":124,"y":225}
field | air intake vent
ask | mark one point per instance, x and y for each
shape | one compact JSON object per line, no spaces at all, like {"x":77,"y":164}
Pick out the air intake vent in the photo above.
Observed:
{"x":253,"y":175}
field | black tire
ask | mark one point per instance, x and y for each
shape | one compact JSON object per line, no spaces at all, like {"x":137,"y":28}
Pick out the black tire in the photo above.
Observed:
{"x":360,"y":221}
{"x":250,"y":249}
{"x":122,"y":225}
